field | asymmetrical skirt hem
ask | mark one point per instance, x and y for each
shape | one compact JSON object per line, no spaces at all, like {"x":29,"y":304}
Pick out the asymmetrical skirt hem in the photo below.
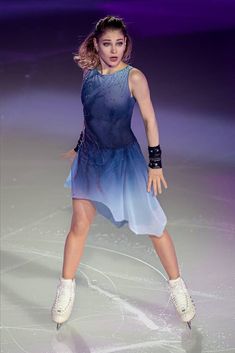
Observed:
{"x":116,"y":182}
{"x":106,"y":212}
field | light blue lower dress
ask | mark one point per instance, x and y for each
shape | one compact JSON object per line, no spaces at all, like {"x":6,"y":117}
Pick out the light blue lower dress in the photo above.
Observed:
{"x":109,"y":168}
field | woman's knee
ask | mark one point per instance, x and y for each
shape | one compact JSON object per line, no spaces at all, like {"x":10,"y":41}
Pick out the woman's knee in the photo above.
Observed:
{"x":83,"y":214}
{"x":79,"y":227}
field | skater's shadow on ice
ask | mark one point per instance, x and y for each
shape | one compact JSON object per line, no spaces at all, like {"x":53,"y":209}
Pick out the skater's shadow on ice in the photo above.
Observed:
{"x":68,"y":340}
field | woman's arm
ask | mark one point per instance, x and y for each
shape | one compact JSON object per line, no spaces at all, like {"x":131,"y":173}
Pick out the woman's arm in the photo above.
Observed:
{"x":140,"y":90}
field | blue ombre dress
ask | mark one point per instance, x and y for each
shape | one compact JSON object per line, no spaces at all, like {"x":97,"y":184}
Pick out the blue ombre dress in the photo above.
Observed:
{"x":109,"y":168}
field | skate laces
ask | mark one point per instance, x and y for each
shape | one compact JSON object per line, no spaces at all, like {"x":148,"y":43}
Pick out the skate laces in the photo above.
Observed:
{"x":63,"y":297}
{"x":180,"y":296}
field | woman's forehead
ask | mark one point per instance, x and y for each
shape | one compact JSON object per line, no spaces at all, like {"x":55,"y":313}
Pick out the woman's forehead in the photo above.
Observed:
{"x":112,"y":34}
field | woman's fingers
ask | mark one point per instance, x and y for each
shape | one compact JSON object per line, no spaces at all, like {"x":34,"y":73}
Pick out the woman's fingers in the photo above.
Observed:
{"x":149,"y":184}
{"x":164,"y":182}
{"x":69,"y":154}
{"x":155,"y":187}
{"x":150,"y":181}
{"x":63,"y":155}
{"x":159,"y":185}
{"x":156,"y":181}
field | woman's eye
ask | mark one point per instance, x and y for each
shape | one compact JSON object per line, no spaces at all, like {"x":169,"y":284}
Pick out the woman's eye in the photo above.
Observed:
{"x":119,"y":44}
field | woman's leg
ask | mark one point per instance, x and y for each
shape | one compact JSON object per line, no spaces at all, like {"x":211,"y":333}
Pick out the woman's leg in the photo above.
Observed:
{"x":83,"y":213}
{"x":179,"y":293}
{"x":166,"y":251}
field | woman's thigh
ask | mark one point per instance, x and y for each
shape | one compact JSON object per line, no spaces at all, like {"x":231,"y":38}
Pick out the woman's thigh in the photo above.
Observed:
{"x":84,"y":212}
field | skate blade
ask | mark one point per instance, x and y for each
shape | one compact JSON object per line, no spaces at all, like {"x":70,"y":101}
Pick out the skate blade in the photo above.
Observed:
{"x":58,"y":326}
{"x":189,"y":324}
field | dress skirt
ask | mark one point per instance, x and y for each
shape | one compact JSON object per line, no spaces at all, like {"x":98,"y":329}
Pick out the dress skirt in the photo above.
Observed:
{"x":115,"y":180}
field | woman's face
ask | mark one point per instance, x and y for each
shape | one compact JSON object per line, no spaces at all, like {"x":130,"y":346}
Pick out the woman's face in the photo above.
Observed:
{"x":111,"y":47}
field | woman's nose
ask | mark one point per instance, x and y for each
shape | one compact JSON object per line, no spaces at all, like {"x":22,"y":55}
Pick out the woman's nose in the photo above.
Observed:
{"x":114,"y":49}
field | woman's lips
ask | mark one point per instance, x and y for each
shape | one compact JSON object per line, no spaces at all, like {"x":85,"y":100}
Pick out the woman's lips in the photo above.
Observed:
{"x":113,"y":58}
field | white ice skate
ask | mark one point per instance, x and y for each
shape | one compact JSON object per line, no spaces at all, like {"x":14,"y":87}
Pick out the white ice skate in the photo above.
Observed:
{"x":63,"y":303}
{"x":182,"y":300}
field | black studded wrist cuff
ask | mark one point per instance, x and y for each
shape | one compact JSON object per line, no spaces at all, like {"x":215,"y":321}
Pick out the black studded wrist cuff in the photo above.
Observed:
{"x":155,"y":157}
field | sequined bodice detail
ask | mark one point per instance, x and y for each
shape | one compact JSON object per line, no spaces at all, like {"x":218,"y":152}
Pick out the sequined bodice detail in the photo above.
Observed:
{"x":108,"y":107}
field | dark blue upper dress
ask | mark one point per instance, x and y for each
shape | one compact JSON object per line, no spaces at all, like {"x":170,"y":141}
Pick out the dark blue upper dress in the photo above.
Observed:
{"x":109,"y":168}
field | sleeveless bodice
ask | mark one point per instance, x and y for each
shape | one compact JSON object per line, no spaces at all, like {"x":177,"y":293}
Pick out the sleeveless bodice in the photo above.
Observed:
{"x":107,"y":107}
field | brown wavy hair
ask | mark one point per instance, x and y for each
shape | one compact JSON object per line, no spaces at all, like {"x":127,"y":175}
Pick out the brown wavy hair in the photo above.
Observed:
{"x":86,"y":56}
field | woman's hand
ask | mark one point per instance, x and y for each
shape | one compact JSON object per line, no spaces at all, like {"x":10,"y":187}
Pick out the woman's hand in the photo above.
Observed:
{"x":69,"y":155}
{"x":155,"y":176}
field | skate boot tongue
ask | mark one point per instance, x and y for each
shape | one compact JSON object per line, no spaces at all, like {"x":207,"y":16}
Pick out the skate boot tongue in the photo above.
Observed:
{"x":66,"y":282}
{"x":174,"y":282}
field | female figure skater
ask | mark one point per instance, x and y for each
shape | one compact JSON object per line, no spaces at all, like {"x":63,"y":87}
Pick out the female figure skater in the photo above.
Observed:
{"x":109,"y":173}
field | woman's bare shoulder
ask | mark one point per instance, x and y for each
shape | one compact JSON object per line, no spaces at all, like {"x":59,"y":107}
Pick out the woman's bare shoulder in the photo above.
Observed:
{"x":136,"y":75}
